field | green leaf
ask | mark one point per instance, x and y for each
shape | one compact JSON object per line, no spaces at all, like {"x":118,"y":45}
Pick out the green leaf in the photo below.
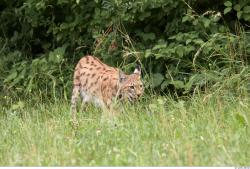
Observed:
{"x":198,"y":41}
{"x":188,"y":41}
{"x":179,"y":37}
{"x":148,"y":53}
{"x":159,"y":46}
{"x":246,"y":9}
{"x":226,"y":10}
{"x":180,"y":51}
{"x":164,"y":85}
{"x":237,"y":7}
{"x":177,"y":84}
{"x":172,"y":37}
{"x":239,"y":14}
{"x":195,"y":22}
{"x":228,"y":3}
{"x":157,"y":79}
{"x":56,"y":55}
{"x":246,"y":17}
{"x":185,"y":18}
{"x":206,"y":22}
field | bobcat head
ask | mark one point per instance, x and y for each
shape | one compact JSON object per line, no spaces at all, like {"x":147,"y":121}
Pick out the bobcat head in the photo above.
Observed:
{"x":131,"y":86}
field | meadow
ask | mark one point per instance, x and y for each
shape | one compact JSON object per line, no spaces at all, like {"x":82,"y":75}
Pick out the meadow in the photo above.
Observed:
{"x":202,"y":130}
{"x":195,"y":58}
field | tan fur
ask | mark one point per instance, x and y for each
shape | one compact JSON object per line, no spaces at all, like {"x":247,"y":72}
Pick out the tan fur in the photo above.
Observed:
{"x":100,"y":84}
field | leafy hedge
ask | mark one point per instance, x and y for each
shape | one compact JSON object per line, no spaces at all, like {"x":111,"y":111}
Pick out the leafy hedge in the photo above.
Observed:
{"x":181,"y":44}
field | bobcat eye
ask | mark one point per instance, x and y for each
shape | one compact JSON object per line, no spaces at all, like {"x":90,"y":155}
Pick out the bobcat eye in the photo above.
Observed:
{"x":132,"y":87}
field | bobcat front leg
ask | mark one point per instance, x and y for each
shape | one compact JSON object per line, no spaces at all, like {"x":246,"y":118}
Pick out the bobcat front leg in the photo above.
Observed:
{"x":108,"y":108}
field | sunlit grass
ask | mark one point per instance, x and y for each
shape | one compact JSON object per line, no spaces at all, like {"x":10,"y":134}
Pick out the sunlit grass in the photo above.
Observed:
{"x":158,"y":131}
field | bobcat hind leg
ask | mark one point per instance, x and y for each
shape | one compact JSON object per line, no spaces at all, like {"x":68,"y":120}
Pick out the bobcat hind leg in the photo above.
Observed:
{"x":75,"y":95}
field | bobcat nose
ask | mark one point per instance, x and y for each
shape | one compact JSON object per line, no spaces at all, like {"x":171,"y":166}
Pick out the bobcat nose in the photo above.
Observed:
{"x":138,"y":95}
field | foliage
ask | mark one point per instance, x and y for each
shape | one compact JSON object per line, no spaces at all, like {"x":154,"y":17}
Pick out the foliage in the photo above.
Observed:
{"x":242,"y":8}
{"x":181,"y":44}
{"x":41,"y":74}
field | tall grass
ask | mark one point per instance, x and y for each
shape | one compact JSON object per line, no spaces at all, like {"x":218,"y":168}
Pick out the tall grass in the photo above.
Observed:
{"x":206,"y":129}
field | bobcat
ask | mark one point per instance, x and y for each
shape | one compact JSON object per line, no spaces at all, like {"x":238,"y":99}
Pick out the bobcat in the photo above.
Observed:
{"x":99,"y":83}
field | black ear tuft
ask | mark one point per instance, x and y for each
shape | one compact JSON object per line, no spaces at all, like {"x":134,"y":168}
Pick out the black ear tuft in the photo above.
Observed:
{"x":137,"y":68}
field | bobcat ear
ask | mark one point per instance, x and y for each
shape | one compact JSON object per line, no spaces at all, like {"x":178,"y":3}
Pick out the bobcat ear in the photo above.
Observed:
{"x":137,"y":69}
{"x":122,"y":76}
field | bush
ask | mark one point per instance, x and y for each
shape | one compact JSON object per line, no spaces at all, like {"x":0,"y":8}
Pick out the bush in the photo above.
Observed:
{"x":182,"y":45}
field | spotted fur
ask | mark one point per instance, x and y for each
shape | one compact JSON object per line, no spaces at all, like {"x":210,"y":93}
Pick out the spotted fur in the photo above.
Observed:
{"x":99,"y":83}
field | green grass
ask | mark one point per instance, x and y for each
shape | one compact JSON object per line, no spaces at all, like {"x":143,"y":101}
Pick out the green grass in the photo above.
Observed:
{"x":158,"y":131}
